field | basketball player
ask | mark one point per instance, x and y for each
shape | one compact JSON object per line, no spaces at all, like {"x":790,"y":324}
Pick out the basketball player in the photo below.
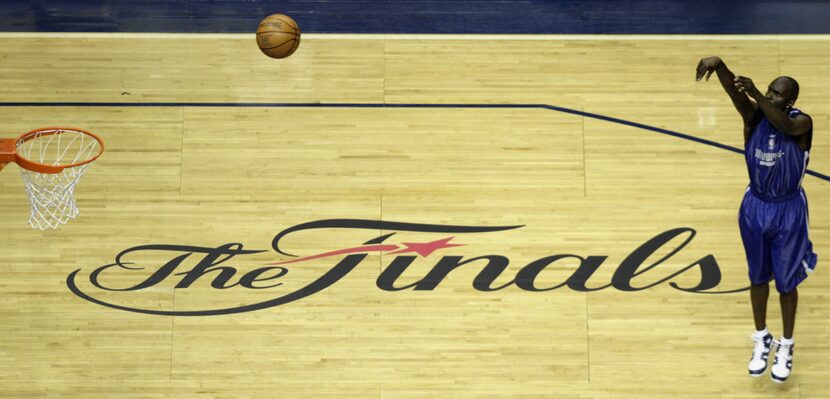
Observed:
{"x":773,"y":216}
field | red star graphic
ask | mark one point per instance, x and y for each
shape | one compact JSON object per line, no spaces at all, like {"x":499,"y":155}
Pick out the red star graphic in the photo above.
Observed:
{"x":424,"y":249}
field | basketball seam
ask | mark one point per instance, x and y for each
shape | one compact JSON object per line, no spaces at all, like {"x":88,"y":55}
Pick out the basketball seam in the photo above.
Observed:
{"x":294,"y":25}
{"x":277,"y":31}
{"x":279,"y":45}
{"x":294,"y":47}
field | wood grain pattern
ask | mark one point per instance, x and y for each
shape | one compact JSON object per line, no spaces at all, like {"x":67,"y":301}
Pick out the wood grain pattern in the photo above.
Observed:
{"x":581,"y":186}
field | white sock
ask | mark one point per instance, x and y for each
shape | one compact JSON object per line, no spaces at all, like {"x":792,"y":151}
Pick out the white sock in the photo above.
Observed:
{"x":761,"y":333}
{"x":786,"y":341}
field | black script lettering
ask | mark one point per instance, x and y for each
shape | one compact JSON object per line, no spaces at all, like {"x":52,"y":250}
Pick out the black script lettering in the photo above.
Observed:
{"x":710,"y":275}
{"x":450,"y":263}
{"x":495,"y":265}
{"x":251,"y":277}
{"x":526,"y":278}
{"x":164,"y":271}
{"x":206,"y":265}
{"x":213,"y":260}
{"x":332,"y":276}
{"x":381,"y":225}
{"x":387,"y":278}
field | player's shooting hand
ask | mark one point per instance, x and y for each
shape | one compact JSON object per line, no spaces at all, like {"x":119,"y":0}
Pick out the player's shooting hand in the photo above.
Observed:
{"x":706,"y":66}
{"x":745,"y":85}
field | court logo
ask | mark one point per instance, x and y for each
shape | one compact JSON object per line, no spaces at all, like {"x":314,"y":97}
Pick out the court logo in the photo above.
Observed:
{"x":212,"y":267}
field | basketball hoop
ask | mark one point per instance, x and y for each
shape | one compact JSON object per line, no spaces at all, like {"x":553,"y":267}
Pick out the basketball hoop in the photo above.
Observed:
{"x":52,"y":160}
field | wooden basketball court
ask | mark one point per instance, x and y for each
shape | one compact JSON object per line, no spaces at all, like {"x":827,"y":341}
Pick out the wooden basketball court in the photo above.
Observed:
{"x":208,"y":154}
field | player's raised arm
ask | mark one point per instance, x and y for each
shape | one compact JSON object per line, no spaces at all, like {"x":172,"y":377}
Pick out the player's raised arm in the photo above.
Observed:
{"x":709,"y":65}
{"x":776,"y":104}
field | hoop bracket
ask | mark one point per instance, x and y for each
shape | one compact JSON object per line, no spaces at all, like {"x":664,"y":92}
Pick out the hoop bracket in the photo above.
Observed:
{"x":7,"y":150}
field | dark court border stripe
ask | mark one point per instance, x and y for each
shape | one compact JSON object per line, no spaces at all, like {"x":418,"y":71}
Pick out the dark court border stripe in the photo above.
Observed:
{"x":375,"y":105}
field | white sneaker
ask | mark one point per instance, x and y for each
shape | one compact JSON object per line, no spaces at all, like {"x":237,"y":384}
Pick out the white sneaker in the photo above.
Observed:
{"x":783,"y":364}
{"x":760,"y":354}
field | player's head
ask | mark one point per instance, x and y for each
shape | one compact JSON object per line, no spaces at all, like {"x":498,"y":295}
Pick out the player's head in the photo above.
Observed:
{"x":782,"y":92}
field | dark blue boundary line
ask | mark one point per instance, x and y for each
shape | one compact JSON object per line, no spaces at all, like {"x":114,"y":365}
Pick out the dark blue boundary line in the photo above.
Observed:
{"x":423,"y":16}
{"x":358,"y":105}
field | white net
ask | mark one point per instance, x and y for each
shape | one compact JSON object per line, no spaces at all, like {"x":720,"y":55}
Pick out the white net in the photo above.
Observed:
{"x":53,"y":195}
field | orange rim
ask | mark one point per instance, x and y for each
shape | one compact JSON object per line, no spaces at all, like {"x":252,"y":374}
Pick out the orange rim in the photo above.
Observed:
{"x":8,"y":149}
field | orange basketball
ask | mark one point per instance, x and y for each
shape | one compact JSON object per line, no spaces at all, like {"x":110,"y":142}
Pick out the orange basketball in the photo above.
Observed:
{"x":278,"y":36}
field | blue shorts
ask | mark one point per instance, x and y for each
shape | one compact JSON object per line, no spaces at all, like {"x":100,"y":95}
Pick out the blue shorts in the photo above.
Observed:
{"x":775,"y":237}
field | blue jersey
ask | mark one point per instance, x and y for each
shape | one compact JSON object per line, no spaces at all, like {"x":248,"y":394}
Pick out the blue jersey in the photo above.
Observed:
{"x":775,"y":161}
